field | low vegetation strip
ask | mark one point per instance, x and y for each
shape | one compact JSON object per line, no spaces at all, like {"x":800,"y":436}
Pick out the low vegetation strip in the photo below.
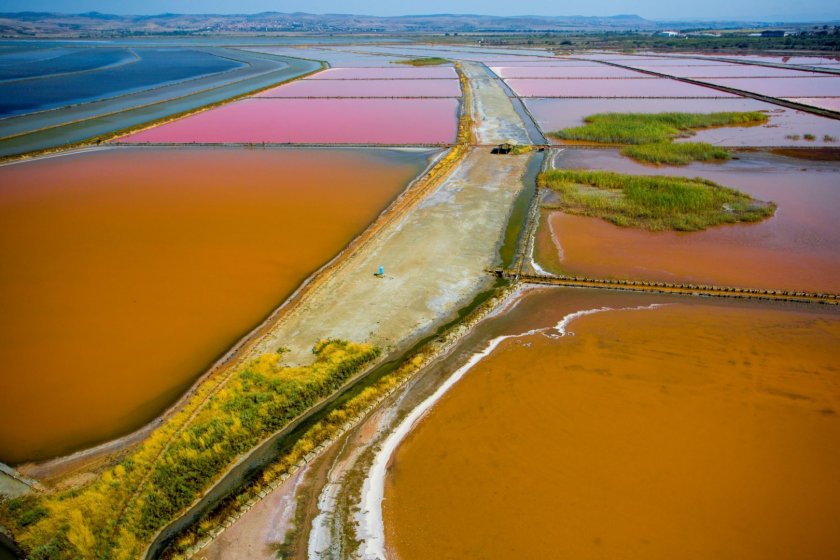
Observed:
{"x":340,"y":419}
{"x":650,"y":136}
{"x":640,"y":128}
{"x":676,"y":154}
{"x":261,"y":397}
{"x":652,"y":203}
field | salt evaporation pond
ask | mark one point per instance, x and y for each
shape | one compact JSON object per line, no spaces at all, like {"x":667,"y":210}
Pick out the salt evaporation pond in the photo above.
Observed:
{"x":556,"y":114}
{"x":630,"y":87}
{"x":601,"y":71}
{"x":365,"y":88}
{"x":314,"y":121}
{"x":335,"y":57}
{"x":80,"y":60}
{"x":830,"y":103}
{"x":792,"y":60}
{"x":23,"y":53}
{"x":672,"y":61}
{"x":477,"y":54}
{"x":436,"y":72}
{"x":798,"y":249}
{"x":155,"y":68}
{"x":546,"y":62}
{"x":663,"y":428}
{"x":823,"y":86}
{"x":729,"y":71}
{"x":620,"y":58}
{"x":126,"y":272}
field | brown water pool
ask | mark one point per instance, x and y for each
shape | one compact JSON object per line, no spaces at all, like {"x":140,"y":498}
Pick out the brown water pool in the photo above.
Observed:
{"x":698,"y":429}
{"x":127,"y":272}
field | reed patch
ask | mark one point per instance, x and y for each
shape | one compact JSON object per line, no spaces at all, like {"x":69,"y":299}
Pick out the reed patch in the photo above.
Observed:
{"x":652,"y":203}
{"x":650,"y":138}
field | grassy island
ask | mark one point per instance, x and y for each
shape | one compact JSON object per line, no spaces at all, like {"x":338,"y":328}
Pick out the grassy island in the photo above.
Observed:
{"x":116,"y":515}
{"x":650,"y":137}
{"x":652,"y":203}
{"x":425,"y":61}
{"x":676,"y":154}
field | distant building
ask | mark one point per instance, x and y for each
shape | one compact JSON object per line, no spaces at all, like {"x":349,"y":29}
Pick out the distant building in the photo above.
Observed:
{"x":669,"y":34}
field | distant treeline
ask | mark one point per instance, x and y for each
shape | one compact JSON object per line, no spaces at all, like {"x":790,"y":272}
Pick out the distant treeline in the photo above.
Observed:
{"x":821,"y":40}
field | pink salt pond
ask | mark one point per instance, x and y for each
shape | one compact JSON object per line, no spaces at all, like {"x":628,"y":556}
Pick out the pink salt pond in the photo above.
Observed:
{"x":729,"y":71}
{"x":803,"y":60}
{"x":313,"y":121}
{"x":784,"y":124}
{"x":830,"y":103}
{"x":630,"y":87}
{"x":670,"y":62}
{"x":827,"y":86}
{"x":366,"y":88}
{"x":556,"y":71}
{"x":553,"y":62}
{"x":385,"y":73}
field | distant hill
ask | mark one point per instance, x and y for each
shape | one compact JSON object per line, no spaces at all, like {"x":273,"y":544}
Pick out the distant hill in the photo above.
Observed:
{"x":94,"y":24}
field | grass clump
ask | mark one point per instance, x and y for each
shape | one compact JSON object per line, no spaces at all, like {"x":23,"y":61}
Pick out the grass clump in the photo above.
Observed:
{"x":652,"y":135}
{"x":425,"y":61}
{"x":829,"y":138}
{"x":809,"y":137}
{"x":519,"y":149}
{"x":652,"y":203}
{"x":675,"y":154}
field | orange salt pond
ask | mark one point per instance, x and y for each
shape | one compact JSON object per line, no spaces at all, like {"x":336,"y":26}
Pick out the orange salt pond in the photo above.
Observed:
{"x":797,"y":249}
{"x":127,"y":272}
{"x":695,"y":430}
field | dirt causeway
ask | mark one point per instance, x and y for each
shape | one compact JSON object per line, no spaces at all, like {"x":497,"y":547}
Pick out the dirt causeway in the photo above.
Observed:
{"x":434,"y":258}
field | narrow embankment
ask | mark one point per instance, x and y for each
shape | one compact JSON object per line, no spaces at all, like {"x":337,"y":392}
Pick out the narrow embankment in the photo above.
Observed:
{"x":668,"y":288}
{"x":434,"y":254}
{"x":346,"y":301}
{"x":739,"y":92}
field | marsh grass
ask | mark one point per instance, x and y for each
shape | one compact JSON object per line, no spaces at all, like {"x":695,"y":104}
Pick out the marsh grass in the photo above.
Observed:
{"x":426,"y":61}
{"x":114,"y":516}
{"x":649,"y":137}
{"x":640,"y":128}
{"x":675,"y":154}
{"x":652,"y":203}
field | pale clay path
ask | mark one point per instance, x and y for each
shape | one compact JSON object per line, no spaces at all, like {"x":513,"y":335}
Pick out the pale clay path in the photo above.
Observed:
{"x":435,"y":257}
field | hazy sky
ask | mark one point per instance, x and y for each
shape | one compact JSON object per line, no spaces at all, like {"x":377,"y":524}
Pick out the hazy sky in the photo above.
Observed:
{"x":653,"y":9}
